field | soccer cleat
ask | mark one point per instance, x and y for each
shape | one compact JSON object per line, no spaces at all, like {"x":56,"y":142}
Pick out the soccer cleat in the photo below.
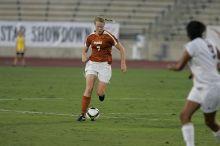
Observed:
{"x":81,"y":118}
{"x":101,"y":98}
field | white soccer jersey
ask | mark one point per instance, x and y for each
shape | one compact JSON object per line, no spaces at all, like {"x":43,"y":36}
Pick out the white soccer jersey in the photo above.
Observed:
{"x":204,"y":62}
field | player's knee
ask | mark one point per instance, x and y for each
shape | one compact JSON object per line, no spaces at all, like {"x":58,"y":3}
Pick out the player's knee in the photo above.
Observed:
{"x":184,"y":118}
{"x":210,"y":123}
{"x":88,"y":91}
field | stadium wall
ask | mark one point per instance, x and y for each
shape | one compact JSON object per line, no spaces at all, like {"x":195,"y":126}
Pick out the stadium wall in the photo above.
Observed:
{"x":45,"y":40}
{"x":154,"y":50}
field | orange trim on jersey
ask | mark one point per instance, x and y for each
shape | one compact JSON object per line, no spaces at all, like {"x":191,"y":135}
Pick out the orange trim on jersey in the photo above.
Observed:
{"x":113,"y":37}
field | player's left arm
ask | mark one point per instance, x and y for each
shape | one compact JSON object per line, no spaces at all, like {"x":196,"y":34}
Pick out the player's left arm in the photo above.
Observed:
{"x":181,"y":63}
{"x":121,"y":48}
{"x":218,"y":55}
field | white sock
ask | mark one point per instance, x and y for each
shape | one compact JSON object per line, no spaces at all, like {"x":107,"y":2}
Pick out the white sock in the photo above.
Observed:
{"x":217,"y":135}
{"x":188,"y":134}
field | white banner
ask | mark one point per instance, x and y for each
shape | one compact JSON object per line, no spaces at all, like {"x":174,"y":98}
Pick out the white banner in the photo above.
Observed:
{"x":213,"y":32}
{"x":50,"y":34}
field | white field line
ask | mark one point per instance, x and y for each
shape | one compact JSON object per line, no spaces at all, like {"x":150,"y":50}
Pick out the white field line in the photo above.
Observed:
{"x":137,"y":99}
{"x":140,"y":114}
{"x":146,"y":98}
{"x":33,"y":112}
{"x":107,"y":116}
{"x":8,"y":99}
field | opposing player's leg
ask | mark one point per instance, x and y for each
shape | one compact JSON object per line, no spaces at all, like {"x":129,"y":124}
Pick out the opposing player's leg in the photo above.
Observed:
{"x":210,"y":108}
{"x":86,"y":98}
{"x":101,"y":90}
{"x":185,"y":117}
{"x":211,"y":122}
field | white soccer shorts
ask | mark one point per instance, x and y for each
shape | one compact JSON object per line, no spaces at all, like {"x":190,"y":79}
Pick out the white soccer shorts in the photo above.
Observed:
{"x":102,"y":70}
{"x":208,"y":97}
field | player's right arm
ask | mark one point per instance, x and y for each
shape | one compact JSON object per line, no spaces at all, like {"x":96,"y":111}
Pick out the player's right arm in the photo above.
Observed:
{"x":181,"y":63}
{"x":84,"y":56}
{"x":85,"y":50}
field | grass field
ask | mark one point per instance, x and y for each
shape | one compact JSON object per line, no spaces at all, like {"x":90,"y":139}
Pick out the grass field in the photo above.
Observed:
{"x":39,"y":107}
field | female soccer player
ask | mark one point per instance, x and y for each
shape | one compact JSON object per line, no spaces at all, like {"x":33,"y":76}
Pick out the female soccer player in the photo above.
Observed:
{"x":98,"y":65}
{"x":20,"y":48}
{"x":202,"y":57}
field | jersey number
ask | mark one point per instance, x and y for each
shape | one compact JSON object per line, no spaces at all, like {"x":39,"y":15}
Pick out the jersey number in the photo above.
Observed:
{"x":98,"y":48}
{"x":211,"y":49}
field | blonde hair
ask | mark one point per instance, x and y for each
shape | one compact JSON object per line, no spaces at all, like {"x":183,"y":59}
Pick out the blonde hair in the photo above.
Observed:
{"x":101,"y":19}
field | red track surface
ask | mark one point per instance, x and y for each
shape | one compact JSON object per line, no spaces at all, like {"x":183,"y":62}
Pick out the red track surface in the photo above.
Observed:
{"x":77,"y":63}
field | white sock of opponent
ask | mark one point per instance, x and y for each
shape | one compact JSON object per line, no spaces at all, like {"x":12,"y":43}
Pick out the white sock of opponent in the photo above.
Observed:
{"x":217,"y":135}
{"x":188,"y":134}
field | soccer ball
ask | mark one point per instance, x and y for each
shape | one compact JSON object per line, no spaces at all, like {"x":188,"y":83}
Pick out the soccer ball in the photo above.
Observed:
{"x":92,"y":113}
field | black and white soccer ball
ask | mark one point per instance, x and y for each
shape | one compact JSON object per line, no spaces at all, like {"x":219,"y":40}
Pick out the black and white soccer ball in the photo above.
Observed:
{"x":92,"y":113}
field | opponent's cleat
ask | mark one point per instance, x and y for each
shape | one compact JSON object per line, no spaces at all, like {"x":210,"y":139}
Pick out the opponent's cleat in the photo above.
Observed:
{"x":101,"y":98}
{"x":81,"y":118}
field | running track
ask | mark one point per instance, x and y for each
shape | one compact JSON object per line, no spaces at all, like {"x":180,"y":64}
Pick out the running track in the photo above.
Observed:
{"x":51,"y":62}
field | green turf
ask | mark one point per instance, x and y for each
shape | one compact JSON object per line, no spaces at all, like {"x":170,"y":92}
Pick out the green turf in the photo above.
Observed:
{"x":39,"y":107}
